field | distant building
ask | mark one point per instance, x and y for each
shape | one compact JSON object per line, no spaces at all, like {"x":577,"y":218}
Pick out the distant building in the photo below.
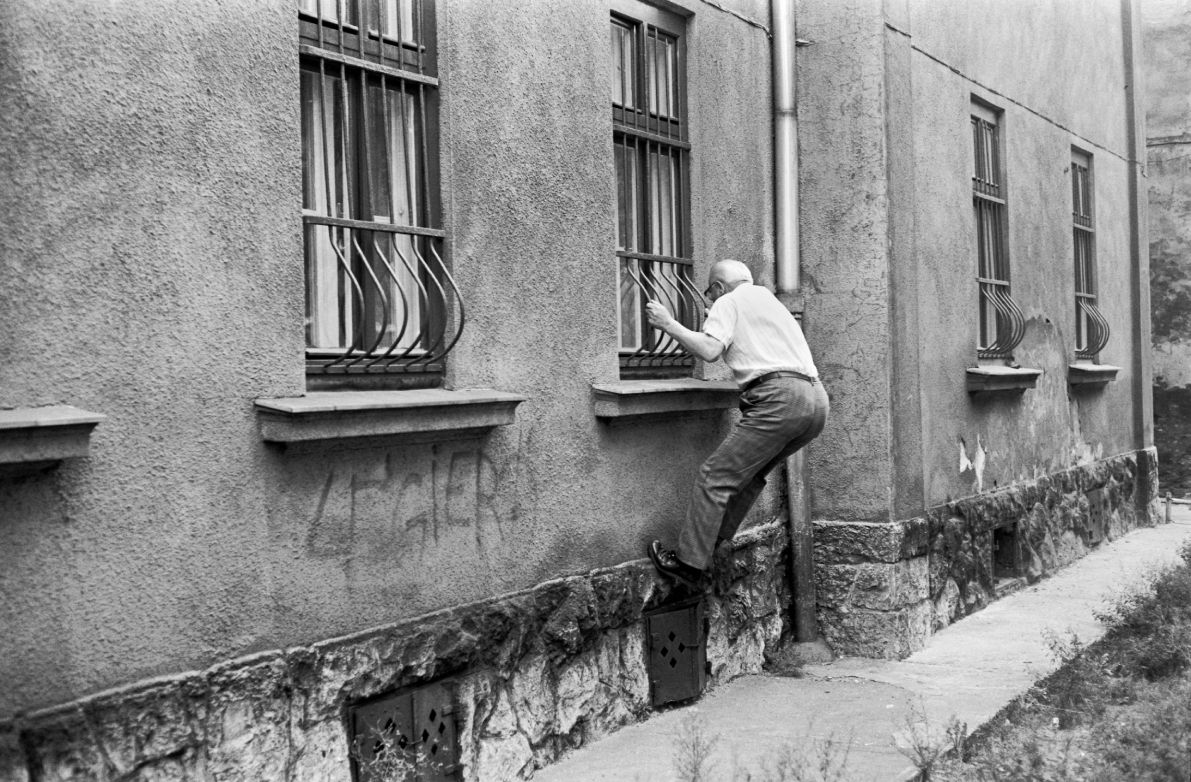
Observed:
{"x":1168,"y":168}
{"x":329,"y":406}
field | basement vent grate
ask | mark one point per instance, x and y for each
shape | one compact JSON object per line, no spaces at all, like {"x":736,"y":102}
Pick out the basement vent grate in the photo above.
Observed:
{"x":677,"y":651}
{"x":1099,"y":512}
{"x":407,"y":736}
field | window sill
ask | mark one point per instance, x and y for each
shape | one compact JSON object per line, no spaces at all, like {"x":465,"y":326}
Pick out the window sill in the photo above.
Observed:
{"x":633,"y":398}
{"x":1091,"y":375}
{"x":348,"y":415}
{"x":998,"y":380}
{"x":34,"y":439}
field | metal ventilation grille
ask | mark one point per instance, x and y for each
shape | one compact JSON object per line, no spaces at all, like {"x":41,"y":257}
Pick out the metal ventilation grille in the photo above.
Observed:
{"x":677,"y":651}
{"x":406,"y":736}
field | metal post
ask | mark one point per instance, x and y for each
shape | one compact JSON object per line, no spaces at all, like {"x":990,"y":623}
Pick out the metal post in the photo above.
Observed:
{"x":788,"y":284}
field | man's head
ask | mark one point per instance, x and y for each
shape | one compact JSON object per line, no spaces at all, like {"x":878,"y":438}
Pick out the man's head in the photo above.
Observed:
{"x":724,"y":276}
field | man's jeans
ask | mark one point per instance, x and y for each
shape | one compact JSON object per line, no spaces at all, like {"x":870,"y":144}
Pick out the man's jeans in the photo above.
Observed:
{"x":780,"y":416}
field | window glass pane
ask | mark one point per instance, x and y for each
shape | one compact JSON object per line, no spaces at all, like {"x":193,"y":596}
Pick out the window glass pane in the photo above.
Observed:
{"x":662,"y":74}
{"x":663,"y":206}
{"x":325,"y":150}
{"x":398,"y":18}
{"x":331,"y":10}
{"x":623,"y":58}
{"x":629,"y":305}
{"x":326,"y":154}
{"x":330,"y":301}
{"x":628,"y":197}
{"x":395,"y":182}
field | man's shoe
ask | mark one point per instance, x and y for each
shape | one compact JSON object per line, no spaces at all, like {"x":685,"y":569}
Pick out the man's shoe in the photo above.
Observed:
{"x":668,"y":563}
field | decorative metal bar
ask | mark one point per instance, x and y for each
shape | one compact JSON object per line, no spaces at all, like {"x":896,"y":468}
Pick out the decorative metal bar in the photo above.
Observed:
{"x":401,"y":315}
{"x":366,"y":65}
{"x":657,"y":258}
{"x":656,"y":138}
{"x":1010,"y":326}
{"x":668,"y":281}
{"x":1098,"y":331}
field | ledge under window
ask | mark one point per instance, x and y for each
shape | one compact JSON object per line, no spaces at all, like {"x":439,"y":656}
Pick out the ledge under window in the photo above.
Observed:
{"x":1091,"y":375}
{"x":997,"y":379}
{"x":342,"y":415}
{"x":629,"y":398}
{"x":33,"y":439}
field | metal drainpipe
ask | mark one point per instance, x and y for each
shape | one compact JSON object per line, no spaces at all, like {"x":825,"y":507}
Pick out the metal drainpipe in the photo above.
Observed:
{"x":789,"y":288}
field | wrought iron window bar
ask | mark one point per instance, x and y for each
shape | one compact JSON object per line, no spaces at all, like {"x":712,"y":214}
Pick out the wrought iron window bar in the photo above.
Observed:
{"x":1091,"y":327}
{"x":380,"y":297}
{"x":1001,"y":321}
{"x":669,"y":281}
{"x":652,"y":151}
{"x":1093,"y":331}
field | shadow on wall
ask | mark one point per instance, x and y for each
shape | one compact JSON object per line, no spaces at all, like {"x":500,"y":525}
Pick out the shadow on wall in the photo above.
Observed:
{"x":1172,"y":436}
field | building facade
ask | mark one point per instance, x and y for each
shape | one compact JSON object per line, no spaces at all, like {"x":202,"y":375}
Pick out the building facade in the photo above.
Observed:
{"x":326,"y":382}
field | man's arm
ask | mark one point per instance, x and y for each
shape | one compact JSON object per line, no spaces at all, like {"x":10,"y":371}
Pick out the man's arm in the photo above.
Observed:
{"x":701,"y":345}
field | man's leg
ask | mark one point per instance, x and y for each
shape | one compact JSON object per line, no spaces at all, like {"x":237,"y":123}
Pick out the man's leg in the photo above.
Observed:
{"x":739,"y":505}
{"x":778,"y":416}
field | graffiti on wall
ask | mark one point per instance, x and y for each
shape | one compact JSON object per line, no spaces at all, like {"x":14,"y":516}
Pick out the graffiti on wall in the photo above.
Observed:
{"x":403,"y":507}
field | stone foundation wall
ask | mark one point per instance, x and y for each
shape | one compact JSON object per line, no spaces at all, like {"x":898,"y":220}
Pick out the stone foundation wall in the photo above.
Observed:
{"x":884,"y":588}
{"x":535,"y":673}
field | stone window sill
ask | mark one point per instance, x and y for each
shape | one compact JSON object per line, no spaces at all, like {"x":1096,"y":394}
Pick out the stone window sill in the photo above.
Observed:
{"x":33,"y":439}
{"x":348,"y":415}
{"x":635,"y":398}
{"x":1091,"y":375}
{"x":1001,"y":380}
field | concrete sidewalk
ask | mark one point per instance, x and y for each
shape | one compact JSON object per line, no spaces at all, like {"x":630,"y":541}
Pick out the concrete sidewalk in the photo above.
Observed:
{"x":970,"y":671}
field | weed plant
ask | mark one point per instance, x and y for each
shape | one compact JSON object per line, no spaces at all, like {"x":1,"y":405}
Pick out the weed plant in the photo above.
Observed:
{"x":696,"y":758}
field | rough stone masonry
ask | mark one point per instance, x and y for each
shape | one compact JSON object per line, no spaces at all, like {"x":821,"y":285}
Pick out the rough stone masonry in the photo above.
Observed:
{"x":884,"y":588}
{"x":533,"y":674}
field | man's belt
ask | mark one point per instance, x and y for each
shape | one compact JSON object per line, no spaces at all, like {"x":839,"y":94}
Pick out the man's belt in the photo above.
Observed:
{"x":759,"y":379}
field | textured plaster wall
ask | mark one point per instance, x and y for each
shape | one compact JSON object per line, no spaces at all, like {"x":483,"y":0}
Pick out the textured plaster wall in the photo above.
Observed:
{"x":843,"y":190}
{"x":153,"y":254}
{"x":1167,"y":35}
{"x":1047,"y":428}
{"x":151,"y":259}
{"x":889,"y":241}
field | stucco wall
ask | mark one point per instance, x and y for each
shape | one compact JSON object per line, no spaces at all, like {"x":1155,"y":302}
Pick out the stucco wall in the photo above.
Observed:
{"x":1047,"y":428}
{"x":845,"y":212}
{"x":889,"y":241}
{"x":1168,"y":116}
{"x":154,"y":273}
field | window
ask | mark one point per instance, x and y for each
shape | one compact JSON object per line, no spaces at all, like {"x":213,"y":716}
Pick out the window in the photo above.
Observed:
{"x":378,"y":292}
{"x":652,"y":186}
{"x":1091,"y":328}
{"x":1002,"y":324}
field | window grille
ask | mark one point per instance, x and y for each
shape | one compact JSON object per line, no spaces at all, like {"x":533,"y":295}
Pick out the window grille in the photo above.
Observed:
{"x":1002,"y":324}
{"x":652,"y":189}
{"x":1091,"y":327}
{"x":378,"y":293}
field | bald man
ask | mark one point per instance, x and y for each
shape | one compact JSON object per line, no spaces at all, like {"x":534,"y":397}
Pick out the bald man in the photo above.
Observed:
{"x":783,"y":407}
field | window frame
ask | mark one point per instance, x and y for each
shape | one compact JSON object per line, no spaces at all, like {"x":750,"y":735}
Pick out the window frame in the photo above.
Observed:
{"x":374,"y":69}
{"x":1091,"y":327}
{"x":647,"y":137}
{"x":1000,"y":322}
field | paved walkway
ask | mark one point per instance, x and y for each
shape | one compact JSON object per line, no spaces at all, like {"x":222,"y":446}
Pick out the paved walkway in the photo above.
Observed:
{"x":969,"y":671}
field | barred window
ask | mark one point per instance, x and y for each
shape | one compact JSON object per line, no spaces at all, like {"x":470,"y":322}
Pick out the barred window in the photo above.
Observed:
{"x":651,"y":145}
{"x":378,"y":293}
{"x":1091,"y":328}
{"x":1002,"y":324}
